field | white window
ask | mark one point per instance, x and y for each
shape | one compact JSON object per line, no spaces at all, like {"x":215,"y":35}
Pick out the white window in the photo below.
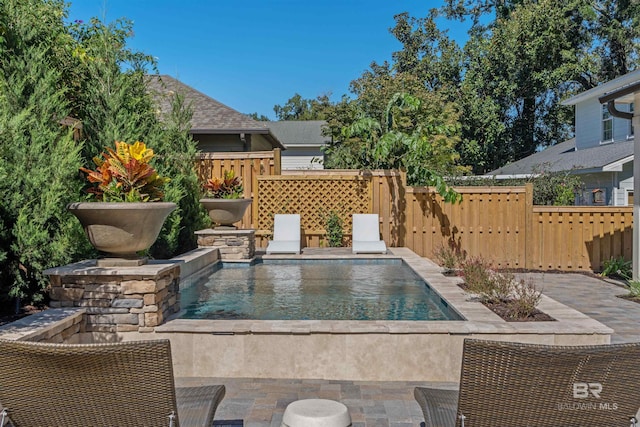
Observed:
{"x":607,"y":125}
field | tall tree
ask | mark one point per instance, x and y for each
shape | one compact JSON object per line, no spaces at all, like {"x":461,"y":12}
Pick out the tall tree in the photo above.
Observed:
{"x":616,"y":26}
{"x":38,"y":154}
{"x":522,"y":65}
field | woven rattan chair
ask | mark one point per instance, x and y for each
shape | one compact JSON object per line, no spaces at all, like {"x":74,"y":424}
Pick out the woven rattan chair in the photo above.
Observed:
{"x":512,"y":384}
{"x":119,"y":384}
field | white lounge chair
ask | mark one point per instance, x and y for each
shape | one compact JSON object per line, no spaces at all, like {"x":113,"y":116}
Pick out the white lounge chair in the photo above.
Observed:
{"x":366,"y":234}
{"x":286,"y":234}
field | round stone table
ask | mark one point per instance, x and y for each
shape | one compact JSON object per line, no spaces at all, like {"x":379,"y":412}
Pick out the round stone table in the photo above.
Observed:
{"x":316,"y":413}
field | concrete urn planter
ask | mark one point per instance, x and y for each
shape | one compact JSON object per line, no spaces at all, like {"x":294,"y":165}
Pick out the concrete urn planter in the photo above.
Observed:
{"x":122,"y":229}
{"x":225,"y":212}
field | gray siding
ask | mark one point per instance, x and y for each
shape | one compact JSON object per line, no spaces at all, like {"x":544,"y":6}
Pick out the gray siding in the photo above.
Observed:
{"x":589,"y":124}
{"x":302,"y":158}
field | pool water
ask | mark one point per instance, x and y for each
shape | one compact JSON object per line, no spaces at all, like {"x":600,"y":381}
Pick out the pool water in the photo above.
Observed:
{"x":314,"y":290}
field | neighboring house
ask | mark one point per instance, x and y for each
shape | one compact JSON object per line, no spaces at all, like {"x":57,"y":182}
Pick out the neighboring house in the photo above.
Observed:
{"x":304,"y":142}
{"x":601,"y":152}
{"x":215,"y":126}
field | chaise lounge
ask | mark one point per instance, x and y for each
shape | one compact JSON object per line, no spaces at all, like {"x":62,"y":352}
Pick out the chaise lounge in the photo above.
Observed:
{"x":113,"y":384}
{"x":286,"y":234}
{"x":366,"y":234}
{"x":513,"y":384}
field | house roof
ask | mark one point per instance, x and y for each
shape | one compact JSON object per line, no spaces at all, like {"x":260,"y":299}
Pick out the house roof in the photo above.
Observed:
{"x":604,"y":88}
{"x":564,"y":157}
{"x":209,"y":115}
{"x":300,"y":133}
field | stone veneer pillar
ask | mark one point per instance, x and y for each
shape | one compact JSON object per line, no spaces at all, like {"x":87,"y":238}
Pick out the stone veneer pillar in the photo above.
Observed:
{"x":233,"y":244}
{"x":118,"y":299}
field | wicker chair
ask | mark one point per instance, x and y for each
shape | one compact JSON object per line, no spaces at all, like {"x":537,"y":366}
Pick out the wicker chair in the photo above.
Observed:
{"x":113,"y":384}
{"x":512,"y":384}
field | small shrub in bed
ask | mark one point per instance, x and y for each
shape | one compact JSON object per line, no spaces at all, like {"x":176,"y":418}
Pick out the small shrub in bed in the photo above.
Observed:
{"x":500,"y":288}
{"x":501,"y":292}
{"x":449,"y":257}
{"x":477,"y":275}
{"x":525,"y":299}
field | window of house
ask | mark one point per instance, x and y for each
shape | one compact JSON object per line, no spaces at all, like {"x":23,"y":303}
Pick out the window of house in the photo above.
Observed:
{"x":607,"y":124}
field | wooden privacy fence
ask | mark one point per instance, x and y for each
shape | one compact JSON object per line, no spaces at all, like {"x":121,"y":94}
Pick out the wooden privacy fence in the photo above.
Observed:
{"x":488,"y":222}
{"x":502,"y":224}
{"x":579,"y":238}
{"x":498,"y":223}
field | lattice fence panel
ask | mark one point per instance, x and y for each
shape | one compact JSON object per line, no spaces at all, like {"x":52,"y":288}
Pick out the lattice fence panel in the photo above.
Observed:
{"x":311,"y":197}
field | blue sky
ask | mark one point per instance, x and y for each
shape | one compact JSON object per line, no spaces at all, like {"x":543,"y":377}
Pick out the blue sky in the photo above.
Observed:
{"x":254,"y":54}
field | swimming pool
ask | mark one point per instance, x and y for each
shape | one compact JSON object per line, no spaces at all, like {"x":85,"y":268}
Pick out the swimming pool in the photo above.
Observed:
{"x":315,"y":290}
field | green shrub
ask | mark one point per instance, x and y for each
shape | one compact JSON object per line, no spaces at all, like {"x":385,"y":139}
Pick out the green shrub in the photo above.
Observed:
{"x":556,"y":188}
{"x":634,"y":288}
{"x":333,"y":224}
{"x":617,"y":268}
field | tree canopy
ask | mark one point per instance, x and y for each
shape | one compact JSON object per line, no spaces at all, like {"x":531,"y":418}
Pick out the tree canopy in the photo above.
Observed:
{"x":506,"y":84}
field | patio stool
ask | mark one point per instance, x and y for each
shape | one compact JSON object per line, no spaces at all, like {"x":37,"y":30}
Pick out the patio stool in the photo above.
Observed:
{"x":316,"y":413}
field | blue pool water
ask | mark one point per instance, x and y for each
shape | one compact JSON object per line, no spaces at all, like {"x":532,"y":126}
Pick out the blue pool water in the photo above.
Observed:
{"x":318,"y":290}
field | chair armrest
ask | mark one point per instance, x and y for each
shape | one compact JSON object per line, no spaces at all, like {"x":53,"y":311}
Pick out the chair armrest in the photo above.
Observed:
{"x":197,"y":405}
{"x":438,"y":406}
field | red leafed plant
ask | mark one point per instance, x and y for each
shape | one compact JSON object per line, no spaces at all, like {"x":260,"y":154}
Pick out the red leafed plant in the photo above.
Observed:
{"x":125,"y":175}
{"x":227,"y":187}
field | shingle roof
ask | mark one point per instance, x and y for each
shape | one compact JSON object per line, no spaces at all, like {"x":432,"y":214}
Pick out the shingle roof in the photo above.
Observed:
{"x":302,"y":133}
{"x":564,"y":157}
{"x":209,"y":115}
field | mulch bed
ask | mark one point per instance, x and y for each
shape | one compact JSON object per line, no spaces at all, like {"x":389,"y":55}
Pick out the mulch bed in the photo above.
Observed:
{"x":501,"y":309}
{"x":536,"y":316}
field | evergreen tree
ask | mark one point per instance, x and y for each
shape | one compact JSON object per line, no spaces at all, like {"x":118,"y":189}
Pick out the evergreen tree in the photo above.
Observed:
{"x":176,"y":151}
{"x":38,"y":155}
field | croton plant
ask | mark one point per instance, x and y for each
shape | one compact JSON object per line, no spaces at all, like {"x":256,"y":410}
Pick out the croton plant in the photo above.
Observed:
{"x":125,"y":175}
{"x":227,"y":187}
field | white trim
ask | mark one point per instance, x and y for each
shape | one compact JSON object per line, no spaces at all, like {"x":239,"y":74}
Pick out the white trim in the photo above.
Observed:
{"x":603,"y":88}
{"x":617,"y":165}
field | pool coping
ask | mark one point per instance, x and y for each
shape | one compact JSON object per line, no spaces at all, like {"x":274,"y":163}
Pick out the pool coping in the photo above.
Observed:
{"x":478,"y":318}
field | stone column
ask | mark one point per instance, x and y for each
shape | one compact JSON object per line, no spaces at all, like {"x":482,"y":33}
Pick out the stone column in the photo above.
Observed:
{"x":234,"y":245}
{"x":118,"y":299}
